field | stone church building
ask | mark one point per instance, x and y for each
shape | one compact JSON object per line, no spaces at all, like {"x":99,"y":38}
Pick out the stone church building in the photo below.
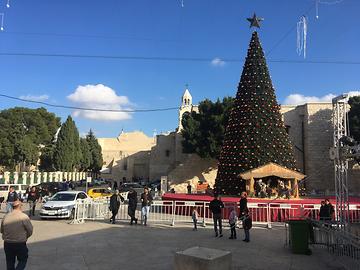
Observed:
{"x":135,"y":156}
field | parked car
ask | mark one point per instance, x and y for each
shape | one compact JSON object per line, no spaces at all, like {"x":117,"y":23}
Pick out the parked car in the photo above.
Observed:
{"x":99,"y":193}
{"x":82,"y":183}
{"x":126,"y":187}
{"x":155,"y":184}
{"x":62,"y":204}
{"x":50,"y":188}
{"x":19,"y":188}
{"x":99,"y":182}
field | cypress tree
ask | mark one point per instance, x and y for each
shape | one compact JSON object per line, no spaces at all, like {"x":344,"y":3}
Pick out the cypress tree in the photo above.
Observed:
{"x":95,"y":150}
{"x":67,"y":148}
{"x":255,"y":134}
{"x":86,"y":157}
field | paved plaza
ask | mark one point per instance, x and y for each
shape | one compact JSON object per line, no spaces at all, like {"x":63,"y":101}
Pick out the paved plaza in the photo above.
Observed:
{"x":57,"y":245}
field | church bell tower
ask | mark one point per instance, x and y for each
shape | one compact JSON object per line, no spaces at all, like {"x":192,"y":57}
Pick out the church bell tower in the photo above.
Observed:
{"x":186,"y":105}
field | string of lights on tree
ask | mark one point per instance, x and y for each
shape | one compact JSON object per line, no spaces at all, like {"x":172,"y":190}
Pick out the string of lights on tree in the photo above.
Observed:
{"x":255,"y":134}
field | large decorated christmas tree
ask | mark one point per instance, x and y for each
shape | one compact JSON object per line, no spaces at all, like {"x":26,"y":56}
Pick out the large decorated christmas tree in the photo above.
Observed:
{"x":255,"y":134}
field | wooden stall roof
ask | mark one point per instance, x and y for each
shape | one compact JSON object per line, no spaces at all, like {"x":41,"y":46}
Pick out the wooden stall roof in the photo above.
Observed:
{"x":272,"y":169}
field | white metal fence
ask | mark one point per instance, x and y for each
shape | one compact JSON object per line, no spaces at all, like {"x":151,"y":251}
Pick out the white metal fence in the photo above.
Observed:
{"x":174,"y":212}
{"x":337,"y":242}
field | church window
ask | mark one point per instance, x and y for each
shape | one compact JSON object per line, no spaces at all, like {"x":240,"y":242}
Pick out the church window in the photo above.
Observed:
{"x":167,"y":153}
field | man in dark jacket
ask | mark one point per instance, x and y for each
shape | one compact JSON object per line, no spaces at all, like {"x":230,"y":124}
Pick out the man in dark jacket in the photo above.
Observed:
{"x":216,"y":207}
{"x":12,"y":197}
{"x":115,"y":200}
{"x":243,"y":204}
{"x":132,"y":197}
{"x":146,"y":200}
{"x":322,"y":213}
{"x":328,"y":210}
{"x":247,"y":224}
{"x":32,"y":199}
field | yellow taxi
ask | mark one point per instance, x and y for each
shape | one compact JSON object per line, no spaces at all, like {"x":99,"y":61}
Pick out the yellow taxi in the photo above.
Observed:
{"x":99,"y":193}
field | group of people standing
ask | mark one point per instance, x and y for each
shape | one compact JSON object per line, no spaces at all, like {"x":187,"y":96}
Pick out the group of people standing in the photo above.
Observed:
{"x":326,"y":211}
{"x":146,"y":200}
{"x":216,"y":207}
{"x":33,"y":197}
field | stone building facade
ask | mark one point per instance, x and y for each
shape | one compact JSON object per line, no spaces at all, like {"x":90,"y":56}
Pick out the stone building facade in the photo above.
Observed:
{"x":134,"y":155}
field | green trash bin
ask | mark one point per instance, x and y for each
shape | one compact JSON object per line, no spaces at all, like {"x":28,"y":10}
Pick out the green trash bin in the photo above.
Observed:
{"x":299,"y":232}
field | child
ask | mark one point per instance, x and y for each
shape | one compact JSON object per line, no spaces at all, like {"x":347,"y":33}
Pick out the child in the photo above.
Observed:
{"x":195,"y":216}
{"x":232,"y":222}
{"x":247,"y":224}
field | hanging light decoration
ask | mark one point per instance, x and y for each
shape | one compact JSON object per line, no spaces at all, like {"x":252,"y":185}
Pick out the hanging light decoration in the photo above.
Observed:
{"x":301,"y":36}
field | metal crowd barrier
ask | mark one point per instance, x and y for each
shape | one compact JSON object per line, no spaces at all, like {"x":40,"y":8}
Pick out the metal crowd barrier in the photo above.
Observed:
{"x":174,"y":212}
{"x":337,"y":242}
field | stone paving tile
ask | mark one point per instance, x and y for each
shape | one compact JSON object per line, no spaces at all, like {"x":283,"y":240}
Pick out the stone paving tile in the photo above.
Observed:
{"x":56,"y":245}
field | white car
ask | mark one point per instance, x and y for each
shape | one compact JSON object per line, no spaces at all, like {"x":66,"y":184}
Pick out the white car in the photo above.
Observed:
{"x":62,"y":204}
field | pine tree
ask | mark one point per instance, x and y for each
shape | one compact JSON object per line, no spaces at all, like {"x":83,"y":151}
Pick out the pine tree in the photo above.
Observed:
{"x":95,"y":150}
{"x":67,"y":148}
{"x":203,"y":131}
{"x":255,"y":134}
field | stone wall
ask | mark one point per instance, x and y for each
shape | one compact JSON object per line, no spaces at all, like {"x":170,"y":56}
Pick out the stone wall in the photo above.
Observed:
{"x":193,"y":170}
{"x":318,"y":129}
{"x":127,"y":156}
{"x":163,"y":156}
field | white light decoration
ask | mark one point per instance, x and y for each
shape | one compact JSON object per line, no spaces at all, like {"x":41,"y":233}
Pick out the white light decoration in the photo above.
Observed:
{"x":2,"y":21}
{"x":325,"y":2}
{"x":301,"y":36}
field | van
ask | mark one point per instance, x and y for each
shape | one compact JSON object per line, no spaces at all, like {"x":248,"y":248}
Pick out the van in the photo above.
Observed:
{"x":4,"y":190}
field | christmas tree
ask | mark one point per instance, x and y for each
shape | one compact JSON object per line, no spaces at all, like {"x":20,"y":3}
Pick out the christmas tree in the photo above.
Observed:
{"x":255,"y":134}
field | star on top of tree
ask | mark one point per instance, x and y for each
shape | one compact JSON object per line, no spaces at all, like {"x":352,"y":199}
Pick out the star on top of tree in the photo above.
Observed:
{"x":255,"y":21}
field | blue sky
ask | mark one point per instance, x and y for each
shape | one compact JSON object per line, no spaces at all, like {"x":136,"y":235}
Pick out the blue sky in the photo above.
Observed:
{"x":201,"y":29}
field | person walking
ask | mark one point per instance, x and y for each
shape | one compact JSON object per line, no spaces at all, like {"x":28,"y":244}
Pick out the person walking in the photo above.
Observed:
{"x":12,"y":197}
{"x":232,"y":222}
{"x":115,"y":201}
{"x":32,"y":199}
{"x":216,"y":207}
{"x":16,"y":228}
{"x":195,"y":217}
{"x":146,"y":200}
{"x":247,"y":225}
{"x":243,"y":204}
{"x":132,"y":197}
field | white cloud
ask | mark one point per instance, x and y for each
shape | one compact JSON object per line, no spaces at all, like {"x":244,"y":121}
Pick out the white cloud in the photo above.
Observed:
{"x":217,"y":62}
{"x":99,"y":97}
{"x":35,"y":98}
{"x":298,"y":99}
{"x":354,"y":93}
